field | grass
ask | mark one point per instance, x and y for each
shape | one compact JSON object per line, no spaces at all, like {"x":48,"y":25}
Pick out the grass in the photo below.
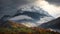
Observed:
{"x":16,"y":29}
{"x":24,"y":30}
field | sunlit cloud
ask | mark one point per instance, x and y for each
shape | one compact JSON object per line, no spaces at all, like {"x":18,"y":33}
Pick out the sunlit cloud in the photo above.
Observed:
{"x":51,"y":9}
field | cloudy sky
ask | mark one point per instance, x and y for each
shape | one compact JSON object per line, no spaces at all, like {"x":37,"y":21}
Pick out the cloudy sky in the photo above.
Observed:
{"x":11,"y":6}
{"x":51,"y":6}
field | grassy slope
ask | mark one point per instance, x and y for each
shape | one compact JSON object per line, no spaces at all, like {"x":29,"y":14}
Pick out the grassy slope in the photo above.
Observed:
{"x":25,"y":30}
{"x":21,"y":29}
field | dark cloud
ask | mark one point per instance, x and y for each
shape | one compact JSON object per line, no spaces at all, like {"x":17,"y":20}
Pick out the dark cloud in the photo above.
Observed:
{"x":9,"y":7}
{"x":54,"y":2}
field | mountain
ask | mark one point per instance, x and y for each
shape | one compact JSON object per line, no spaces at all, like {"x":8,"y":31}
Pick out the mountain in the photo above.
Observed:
{"x":31,"y":16}
{"x":29,"y":19}
{"x":54,"y":24}
{"x":19,"y":28}
{"x":3,"y":21}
